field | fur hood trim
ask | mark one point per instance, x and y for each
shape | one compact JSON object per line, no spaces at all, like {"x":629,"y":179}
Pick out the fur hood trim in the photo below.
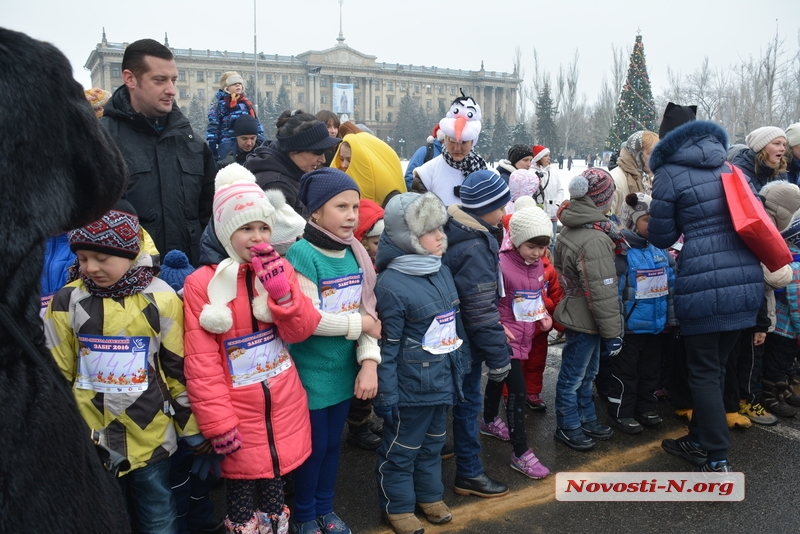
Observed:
{"x":674,"y":140}
{"x":409,"y":216}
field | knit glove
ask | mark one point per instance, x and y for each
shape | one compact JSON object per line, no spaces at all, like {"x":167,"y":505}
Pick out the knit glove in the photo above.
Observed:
{"x":611,"y":347}
{"x":389,"y":414}
{"x":498,"y":375}
{"x":268,"y":266}
{"x":227,"y":443}
{"x":206,"y":461}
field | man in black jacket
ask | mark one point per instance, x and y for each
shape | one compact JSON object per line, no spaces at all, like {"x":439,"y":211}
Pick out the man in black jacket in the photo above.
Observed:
{"x":171,"y":170}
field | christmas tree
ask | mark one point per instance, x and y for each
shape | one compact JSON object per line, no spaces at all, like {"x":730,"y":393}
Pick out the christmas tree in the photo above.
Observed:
{"x":635,"y":109}
{"x":546,"y":133}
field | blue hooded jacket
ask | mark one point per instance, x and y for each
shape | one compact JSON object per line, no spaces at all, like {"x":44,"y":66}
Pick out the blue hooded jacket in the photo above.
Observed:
{"x":719,"y":285}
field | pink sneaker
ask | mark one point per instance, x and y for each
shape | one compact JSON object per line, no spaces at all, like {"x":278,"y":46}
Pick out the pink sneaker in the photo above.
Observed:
{"x":496,"y":429}
{"x":529,"y":465}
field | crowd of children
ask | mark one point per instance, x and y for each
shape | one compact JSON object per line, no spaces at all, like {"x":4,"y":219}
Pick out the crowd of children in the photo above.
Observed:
{"x":248,"y":367}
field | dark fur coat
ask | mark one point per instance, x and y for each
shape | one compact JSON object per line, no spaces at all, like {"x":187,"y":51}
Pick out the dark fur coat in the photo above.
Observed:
{"x":58,"y":170}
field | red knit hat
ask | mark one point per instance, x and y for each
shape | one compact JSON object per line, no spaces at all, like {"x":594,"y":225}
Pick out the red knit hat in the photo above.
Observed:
{"x":369,"y":214}
{"x":539,"y":152}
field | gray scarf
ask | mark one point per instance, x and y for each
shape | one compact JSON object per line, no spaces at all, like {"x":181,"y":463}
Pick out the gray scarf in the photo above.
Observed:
{"x":416,"y":264}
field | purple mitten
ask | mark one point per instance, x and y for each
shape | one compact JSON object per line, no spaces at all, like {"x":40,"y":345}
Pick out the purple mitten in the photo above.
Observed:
{"x":227,"y":443}
{"x":268,"y":266}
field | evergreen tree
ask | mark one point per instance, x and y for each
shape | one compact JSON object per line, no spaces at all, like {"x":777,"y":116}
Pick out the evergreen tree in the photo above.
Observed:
{"x":198,"y":116}
{"x":268,"y":115}
{"x":412,"y":127}
{"x":484,"y":145}
{"x":284,"y":102}
{"x":519,"y":135}
{"x":546,"y":132}
{"x":501,"y":137}
{"x":635,"y":108}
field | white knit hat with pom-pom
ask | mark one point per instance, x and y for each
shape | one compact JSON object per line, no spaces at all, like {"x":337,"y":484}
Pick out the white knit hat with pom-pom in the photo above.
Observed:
{"x":238,"y":200}
{"x":528,"y":221}
{"x":287,"y":225}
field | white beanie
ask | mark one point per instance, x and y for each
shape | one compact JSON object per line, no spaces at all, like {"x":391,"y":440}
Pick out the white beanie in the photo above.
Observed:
{"x":288,"y":224}
{"x":238,"y":201}
{"x":527,"y":223}
{"x":793,"y":135}
{"x":761,"y":137}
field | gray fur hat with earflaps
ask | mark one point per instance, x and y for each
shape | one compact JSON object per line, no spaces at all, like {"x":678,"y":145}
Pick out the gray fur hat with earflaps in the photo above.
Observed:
{"x":409,"y":216}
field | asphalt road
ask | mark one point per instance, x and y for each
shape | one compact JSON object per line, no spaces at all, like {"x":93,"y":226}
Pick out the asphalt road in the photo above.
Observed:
{"x":769,"y":457}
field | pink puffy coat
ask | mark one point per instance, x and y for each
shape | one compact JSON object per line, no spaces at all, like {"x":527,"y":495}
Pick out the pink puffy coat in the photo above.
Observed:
{"x":518,"y":276}
{"x":272,"y":416}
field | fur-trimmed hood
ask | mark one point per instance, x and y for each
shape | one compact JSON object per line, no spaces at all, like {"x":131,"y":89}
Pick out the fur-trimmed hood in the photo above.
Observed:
{"x":406,"y":218}
{"x":688,"y":145}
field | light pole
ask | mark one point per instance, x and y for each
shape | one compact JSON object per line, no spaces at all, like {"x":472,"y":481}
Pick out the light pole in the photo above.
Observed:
{"x":255,"y":55}
{"x":402,"y":144}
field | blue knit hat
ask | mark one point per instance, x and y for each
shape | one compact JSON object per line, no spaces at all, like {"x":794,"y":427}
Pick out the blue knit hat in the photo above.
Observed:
{"x":175,"y":268}
{"x":319,"y":186}
{"x":483,"y":192}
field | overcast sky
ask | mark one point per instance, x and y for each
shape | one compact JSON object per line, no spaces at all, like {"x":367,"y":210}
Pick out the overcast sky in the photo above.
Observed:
{"x":456,"y":34}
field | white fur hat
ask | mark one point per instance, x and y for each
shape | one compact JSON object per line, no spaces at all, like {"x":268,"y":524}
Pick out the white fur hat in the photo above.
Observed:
{"x":527,"y":223}
{"x":288,"y":224}
{"x":409,"y":216}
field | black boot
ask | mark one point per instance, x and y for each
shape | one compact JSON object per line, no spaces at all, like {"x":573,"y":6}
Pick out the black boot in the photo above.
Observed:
{"x":361,"y":436}
{"x":773,"y":399}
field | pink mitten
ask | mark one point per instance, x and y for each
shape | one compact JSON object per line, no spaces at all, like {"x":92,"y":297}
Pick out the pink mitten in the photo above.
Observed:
{"x":227,"y":443}
{"x":546,"y":322}
{"x":268,"y":266}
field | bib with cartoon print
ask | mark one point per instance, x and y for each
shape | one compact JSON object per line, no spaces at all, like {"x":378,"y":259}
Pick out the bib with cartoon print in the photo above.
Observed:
{"x":341,"y":295}
{"x":256,"y":357}
{"x":529,"y":305}
{"x":651,"y":283}
{"x":441,"y":337}
{"x":112,"y":364}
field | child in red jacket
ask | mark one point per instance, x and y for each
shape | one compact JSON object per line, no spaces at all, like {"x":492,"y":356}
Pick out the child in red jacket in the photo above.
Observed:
{"x":240,"y":310}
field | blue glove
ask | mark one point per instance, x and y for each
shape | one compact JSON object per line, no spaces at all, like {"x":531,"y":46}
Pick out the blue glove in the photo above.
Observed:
{"x":390,"y":414}
{"x":206,"y":461}
{"x":611,"y":347}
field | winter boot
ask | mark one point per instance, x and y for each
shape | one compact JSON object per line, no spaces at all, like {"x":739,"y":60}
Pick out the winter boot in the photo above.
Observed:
{"x":251,"y":527}
{"x":436,"y":512}
{"x":791,"y":398}
{"x":404,"y":523}
{"x":361,"y":436}
{"x":773,"y":399}
{"x":273,"y":523}
{"x":794,"y":383}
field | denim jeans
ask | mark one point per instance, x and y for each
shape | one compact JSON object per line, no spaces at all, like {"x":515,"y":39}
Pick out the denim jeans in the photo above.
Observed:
{"x":195,"y":509}
{"x":465,"y":425}
{"x":579,"y":363}
{"x":150,"y":499}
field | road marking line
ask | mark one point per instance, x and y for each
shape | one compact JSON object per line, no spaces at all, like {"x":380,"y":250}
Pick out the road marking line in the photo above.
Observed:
{"x":783,"y":431}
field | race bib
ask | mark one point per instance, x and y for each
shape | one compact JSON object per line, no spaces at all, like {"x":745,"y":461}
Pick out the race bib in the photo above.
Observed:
{"x":256,"y":357}
{"x":441,"y":336}
{"x":112,"y":364}
{"x":529,"y":306}
{"x":340,"y":295}
{"x":651,"y":283}
{"x":45,"y":302}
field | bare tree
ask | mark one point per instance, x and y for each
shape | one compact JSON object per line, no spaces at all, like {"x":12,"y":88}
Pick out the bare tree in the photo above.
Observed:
{"x":522,"y":107}
{"x":570,"y":109}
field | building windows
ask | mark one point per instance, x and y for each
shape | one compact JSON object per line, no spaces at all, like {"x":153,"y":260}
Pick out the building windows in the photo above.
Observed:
{"x":355,"y":116}
{"x":184,"y":93}
{"x":428,"y":89}
{"x":377,"y":116}
{"x":181,"y":75}
{"x":377,"y":101}
{"x":201,"y":76}
{"x":217,"y":76}
{"x":389,"y":116}
{"x":355,"y":84}
{"x":416,"y":88}
{"x":323,"y":81}
{"x":355,"y":100}
{"x":301,"y":81}
{"x":201,"y":94}
{"x":390,"y":86}
{"x":301,"y":98}
{"x":390,"y":101}
{"x":452,"y":90}
{"x":115,"y":72}
{"x":323,"y":99}
{"x":440,"y":89}
{"x":402,"y":86}
{"x":428,"y":104}
{"x":269,"y":79}
{"x":285,"y":79}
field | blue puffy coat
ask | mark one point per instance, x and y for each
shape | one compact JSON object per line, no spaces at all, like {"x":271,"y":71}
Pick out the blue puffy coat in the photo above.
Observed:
{"x":719,"y":286}
{"x":57,"y":259}
{"x":408,"y":375}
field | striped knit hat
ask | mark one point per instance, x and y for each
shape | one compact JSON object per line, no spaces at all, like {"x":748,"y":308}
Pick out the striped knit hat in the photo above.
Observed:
{"x":116,"y":233}
{"x":483,"y":192}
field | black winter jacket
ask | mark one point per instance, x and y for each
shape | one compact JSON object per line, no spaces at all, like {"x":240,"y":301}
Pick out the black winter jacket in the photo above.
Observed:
{"x":171,"y":174}
{"x":275,"y":170}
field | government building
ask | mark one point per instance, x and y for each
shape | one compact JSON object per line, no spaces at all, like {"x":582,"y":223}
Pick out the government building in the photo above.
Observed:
{"x":308,"y":79}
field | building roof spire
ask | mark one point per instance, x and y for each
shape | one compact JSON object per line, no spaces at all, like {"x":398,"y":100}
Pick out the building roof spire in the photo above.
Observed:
{"x":166,"y":40}
{"x":341,"y":35}
{"x":104,"y":41}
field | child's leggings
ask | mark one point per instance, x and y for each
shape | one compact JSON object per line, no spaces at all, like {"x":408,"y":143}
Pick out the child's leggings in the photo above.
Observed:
{"x":315,"y":479}
{"x":244,"y":497}
{"x":515,"y":407}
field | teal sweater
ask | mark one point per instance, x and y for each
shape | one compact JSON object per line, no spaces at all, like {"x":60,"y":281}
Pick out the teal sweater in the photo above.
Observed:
{"x":327,"y":365}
